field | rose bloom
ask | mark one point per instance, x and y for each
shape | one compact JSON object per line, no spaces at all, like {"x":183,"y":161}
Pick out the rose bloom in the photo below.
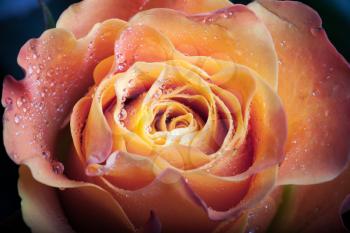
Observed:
{"x":181,"y":116}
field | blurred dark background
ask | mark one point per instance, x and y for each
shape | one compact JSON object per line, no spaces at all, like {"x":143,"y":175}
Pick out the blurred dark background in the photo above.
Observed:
{"x":21,"y":20}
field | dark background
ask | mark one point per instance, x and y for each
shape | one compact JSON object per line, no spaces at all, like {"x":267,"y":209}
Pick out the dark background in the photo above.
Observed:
{"x":21,"y":20}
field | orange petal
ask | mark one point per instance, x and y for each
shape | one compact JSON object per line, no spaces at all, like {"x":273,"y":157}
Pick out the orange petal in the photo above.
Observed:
{"x":264,"y":213}
{"x":77,"y":123}
{"x":153,"y":225}
{"x":267,"y":123}
{"x":313,"y":208}
{"x":314,"y":87}
{"x":261,"y":185}
{"x":79,"y":18}
{"x":217,"y":193}
{"x":141,"y":43}
{"x":238,"y":225}
{"x":41,"y":208}
{"x":73,"y":198}
{"x":191,"y":7}
{"x":97,"y":135}
{"x":125,"y":170}
{"x":102,"y":69}
{"x":168,"y":191}
{"x":234,"y":33}
{"x":58,"y":73}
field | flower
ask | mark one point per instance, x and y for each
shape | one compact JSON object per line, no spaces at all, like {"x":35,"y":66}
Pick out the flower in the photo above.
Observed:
{"x":181,"y":116}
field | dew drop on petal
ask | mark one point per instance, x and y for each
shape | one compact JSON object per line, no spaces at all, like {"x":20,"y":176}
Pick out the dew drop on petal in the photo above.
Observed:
{"x":19,"y":102}
{"x":131,"y":82}
{"x":17,"y":119}
{"x":45,"y":155}
{"x":57,"y":167}
{"x":8,"y":101}
{"x":122,"y":115}
{"x":15,"y":156}
{"x":283,"y":43}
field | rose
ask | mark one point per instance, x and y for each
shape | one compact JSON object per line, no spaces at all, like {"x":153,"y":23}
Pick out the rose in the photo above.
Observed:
{"x":215,"y":74}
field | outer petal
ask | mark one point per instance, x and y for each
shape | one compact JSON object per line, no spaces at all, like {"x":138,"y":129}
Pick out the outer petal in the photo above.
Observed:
{"x":233,"y":33}
{"x":262,"y":214}
{"x":191,"y":7}
{"x":58,"y":72}
{"x":40,"y":205}
{"x":73,"y":198}
{"x":153,"y":225}
{"x":178,"y":208}
{"x":314,"y":87}
{"x":87,"y":13}
{"x":313,"y":208}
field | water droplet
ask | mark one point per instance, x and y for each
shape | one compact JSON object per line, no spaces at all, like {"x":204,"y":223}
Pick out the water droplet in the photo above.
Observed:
{"x":158,"y":93}
{"x":283,"y":43}
{"x":123,"y":98}
{"x":121,"y":66}
{"x":46,"y":155}
{"x":30,"y":70}
{"x":57,"y":167}
{"x":50,"y":72}
{"x":15,"y":156}
{"x":326,"y":113}
{"x":20,"y":101}
{"x":17,"y":119}
{"x":122,"y":115}
{"x":60,"y":108}
{"x":149,"y":129}
{"x":131,"y":82}
{"x":8,"y":101}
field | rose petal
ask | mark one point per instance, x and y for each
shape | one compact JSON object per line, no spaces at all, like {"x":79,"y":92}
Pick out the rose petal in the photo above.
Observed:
{"x":233,"y":33}
{"x":102,"y":69}
{"x":75,"y":196}
{"x":87,"y":13}
{"x":141,"y":43}
{"x":125,"y":170}
{"x":314,"y":208}
{"x":217,"y":193}
{"x":40,"y":205}
{"x":233,"y":225}
{"x":266,"y":117}
{"x":97,"y":135}
{"x":264,"y":213}
{"x":77,"y":123}
{"x":187,"y":211}
{"x":58,"y":72}
{"x":153,"y":225}
{"x":314,"y":87}
{"x":262,"y":184}
{"x":190,"y":7}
